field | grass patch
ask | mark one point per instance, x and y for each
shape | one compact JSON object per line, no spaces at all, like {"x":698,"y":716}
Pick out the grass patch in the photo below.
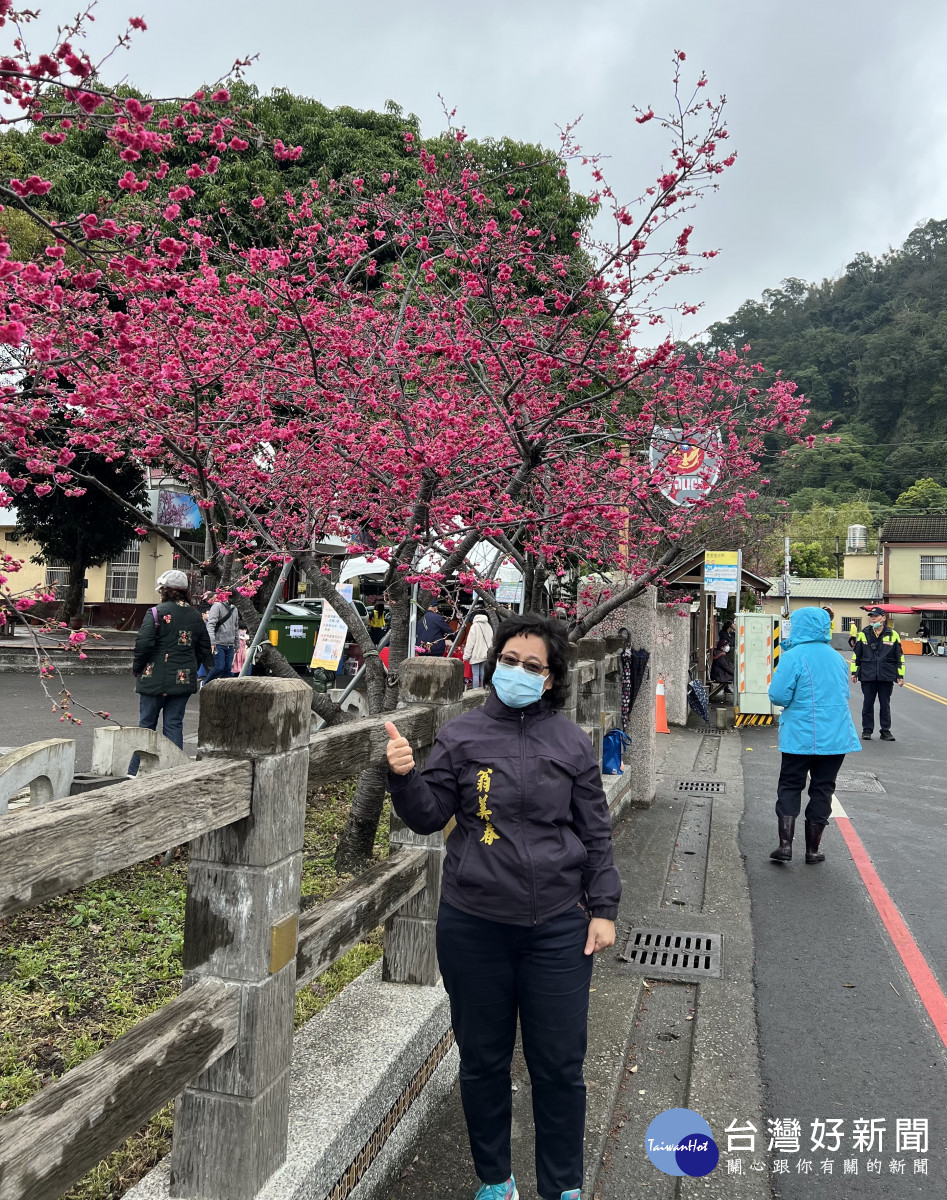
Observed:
{"x":80,"y":970}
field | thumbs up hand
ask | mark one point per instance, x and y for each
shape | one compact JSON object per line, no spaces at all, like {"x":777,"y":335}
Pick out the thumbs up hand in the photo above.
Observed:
{"x":400,"y":756}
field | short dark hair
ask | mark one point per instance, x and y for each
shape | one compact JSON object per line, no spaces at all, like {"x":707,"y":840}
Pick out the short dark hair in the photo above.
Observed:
{"x":171,"y":595}
{"x":557,"y":650}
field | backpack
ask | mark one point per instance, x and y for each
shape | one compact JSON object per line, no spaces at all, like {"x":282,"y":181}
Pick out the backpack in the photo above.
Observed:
{"x":613,"y":743}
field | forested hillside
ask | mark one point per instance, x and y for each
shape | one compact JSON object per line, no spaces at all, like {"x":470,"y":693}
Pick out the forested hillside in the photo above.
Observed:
{"x":869,"y":350}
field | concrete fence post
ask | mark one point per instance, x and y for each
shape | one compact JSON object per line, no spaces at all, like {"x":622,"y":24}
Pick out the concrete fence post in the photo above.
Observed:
{"x":410,"y":950}
{"x":591,"y":694}
{"x":571,"y":706}
{"x":241,"y":921}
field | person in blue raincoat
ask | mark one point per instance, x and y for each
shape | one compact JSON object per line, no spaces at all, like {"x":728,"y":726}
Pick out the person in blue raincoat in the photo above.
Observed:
{"x":816,"y":730}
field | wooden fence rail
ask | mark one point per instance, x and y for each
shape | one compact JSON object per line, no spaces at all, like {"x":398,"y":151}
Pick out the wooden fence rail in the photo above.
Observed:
{"x":53,"y":1139}
{"x":70,"y":842}
{"x":224,"y":1046}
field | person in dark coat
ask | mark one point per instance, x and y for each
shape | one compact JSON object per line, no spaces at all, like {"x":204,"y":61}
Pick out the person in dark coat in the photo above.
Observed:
{"x":530,"y":893}
{"x":877,"y":664}
{"x":171,"y":643}
{"x":431,"y":633}
{"x":721,"y":659}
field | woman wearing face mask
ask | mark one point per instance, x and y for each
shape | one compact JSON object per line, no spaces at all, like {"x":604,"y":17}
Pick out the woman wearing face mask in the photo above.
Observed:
{"x":530,"y":894}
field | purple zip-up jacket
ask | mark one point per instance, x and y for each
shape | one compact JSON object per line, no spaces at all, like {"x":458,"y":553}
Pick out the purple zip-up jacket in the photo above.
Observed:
{"x":533,"y":835}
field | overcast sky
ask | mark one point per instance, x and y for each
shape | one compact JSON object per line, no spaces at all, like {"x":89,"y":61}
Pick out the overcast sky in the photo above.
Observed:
{"x":838,"y":108}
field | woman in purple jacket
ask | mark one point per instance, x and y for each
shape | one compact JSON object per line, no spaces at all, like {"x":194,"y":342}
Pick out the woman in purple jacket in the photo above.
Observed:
{"x":530,"y":893}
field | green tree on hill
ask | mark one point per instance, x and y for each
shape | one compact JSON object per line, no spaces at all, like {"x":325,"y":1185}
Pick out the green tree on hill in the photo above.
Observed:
{"x":869,"y":350}
{"x":926,"y":494}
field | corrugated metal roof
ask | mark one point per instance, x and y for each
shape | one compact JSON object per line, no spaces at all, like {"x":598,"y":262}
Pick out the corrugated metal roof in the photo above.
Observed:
{"x":932,"y":528}
{"x":830,"y":589}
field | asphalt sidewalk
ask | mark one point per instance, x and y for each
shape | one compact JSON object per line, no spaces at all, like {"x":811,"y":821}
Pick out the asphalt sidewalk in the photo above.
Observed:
{"x":654,"y":1042}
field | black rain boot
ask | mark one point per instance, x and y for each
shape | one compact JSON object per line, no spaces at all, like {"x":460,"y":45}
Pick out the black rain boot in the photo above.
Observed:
{"x":787,"y":827}
{"x":813,"y":837}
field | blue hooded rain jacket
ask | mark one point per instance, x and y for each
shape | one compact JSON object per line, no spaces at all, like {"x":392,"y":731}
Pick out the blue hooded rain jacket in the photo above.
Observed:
{"x":811,"y":683}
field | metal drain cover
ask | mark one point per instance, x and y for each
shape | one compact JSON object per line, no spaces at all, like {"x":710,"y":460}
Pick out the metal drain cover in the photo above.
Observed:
{"x":675,"y":953}
{"x":857,"y":781}
{"x":700,"y":785}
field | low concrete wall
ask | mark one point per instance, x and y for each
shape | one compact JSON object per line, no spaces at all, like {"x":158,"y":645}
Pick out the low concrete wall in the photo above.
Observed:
{"x":46,"y":767}
{"x":114,"y":745}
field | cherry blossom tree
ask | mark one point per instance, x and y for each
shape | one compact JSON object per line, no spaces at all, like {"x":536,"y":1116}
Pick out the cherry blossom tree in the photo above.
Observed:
{"x":421,"y":370}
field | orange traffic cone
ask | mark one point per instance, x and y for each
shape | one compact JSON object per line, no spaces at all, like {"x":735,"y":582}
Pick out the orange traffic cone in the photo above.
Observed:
{"x":661,"y":710}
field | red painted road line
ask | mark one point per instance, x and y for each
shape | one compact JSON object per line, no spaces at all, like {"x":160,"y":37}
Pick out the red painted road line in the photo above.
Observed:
{"x":929,"y":990}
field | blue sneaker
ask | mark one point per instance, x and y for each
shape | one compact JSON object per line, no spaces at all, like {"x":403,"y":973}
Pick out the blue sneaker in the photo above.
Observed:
{"x":575,"y":1194}
{"x":498,"y":1191}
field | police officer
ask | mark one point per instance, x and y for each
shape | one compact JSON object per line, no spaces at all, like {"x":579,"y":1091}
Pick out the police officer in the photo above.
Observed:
{"x":877,"y":664}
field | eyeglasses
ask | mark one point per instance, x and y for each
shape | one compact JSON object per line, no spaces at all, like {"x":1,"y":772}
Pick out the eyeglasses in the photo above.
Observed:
{"x":531,"y":668}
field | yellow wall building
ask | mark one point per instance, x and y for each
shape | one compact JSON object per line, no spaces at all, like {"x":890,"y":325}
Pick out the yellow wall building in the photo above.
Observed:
{"x":115,"y":590}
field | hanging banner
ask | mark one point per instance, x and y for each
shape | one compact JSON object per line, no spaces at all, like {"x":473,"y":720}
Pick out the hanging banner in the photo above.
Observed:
{"x":693,"y":465}
{"x":721,"y":571}
{"x":333,"y":634}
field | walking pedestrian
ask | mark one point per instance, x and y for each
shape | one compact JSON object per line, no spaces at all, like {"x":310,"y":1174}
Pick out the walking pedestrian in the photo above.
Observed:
{"x":223,"y":625}
{"x":431,"y":633}
{"x":530,"y":892}
{"x":240,"y":651}
{"x":816,"y":730}
{"x":171,"y":643}
{"x":877,"y":664}
{"x":479,"y":644}
{"x":378,"y":621}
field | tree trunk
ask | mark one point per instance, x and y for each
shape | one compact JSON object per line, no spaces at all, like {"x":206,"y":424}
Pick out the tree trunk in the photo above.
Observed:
{"x":357,"y":842}
{"x":271,"y":662}
{"x":72,"y":600}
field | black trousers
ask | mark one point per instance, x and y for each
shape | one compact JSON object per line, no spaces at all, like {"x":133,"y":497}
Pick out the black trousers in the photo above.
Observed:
{"x":869,"y":692}
{"x":491,"y":973}
{"x":822,"y":770}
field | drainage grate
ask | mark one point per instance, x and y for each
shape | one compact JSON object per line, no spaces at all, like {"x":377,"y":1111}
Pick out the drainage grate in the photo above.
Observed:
{"x":857,"y":781}
{"x":700,"y":785}
{"x":674,"y":952}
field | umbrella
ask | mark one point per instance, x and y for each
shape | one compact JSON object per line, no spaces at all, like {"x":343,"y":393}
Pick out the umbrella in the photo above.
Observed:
{"x":633,"y":666}
{"x":698,"y":699}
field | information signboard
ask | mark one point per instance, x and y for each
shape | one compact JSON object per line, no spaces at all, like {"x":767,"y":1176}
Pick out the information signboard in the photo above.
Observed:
{"x":722,"y":571}
{"x":333,"y":634}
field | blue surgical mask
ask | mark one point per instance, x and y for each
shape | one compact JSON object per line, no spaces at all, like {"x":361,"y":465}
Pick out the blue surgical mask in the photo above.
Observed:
{"x":516,"y":687}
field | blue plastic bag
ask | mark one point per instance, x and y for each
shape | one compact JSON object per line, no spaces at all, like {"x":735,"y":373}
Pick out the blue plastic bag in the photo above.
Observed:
{"x":613,"y":744}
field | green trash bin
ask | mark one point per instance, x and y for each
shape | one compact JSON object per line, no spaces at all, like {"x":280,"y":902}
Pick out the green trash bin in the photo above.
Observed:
{"x":292,"y":630}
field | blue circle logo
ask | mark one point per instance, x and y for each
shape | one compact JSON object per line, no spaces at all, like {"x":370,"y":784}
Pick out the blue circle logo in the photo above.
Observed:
{"x":680,"y":1142}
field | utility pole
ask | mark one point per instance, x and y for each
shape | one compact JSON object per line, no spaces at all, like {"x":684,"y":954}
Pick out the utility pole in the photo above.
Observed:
{"x":786,"y":577}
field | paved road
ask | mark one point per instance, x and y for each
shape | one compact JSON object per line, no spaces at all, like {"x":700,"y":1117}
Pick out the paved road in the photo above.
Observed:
{"x":25,"y":712}
{"x":843,"y":1032}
